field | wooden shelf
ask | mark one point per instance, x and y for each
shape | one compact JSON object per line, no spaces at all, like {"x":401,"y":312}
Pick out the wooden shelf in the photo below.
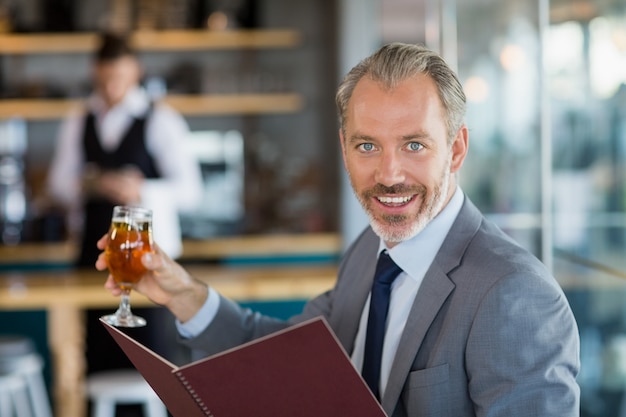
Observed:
{"x":263,"y":246}
{"x":189,"y":105}
{"x":219,"y":248}
{"x":155,"y":41}
{"x":221,"y":104}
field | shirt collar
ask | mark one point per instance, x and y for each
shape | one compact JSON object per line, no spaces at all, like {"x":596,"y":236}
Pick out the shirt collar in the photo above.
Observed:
{"x":415,"y":255}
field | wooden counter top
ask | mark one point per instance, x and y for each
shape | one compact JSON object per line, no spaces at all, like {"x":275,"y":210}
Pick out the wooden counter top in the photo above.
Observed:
{"x":66,"y":293}
{"x":85,"y":288}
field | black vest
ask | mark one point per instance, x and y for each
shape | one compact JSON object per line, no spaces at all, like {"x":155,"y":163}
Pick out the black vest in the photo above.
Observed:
{"x":131,"y":151}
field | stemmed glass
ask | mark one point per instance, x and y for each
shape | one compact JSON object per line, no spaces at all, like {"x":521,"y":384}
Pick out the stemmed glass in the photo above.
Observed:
{"x":130,"y":236}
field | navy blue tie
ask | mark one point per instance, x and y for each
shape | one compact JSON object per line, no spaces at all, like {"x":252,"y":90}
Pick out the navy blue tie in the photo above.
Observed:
{"x":386,"y":272}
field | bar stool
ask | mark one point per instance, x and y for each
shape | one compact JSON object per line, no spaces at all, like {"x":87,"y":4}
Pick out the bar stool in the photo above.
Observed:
{"x":22,"y":387}
{"x":106,"y":389}
{"x":13,"y":397}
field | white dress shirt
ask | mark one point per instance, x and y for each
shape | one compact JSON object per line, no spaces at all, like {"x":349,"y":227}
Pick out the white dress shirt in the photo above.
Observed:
{"x":414,"y":256}
{"x":180,"y":187}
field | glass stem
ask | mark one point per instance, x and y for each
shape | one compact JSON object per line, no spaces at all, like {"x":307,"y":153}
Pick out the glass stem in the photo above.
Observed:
{"x":124,"y":308}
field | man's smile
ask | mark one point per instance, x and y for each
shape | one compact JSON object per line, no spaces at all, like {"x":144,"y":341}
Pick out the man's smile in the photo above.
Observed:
{"x":394,"y":201}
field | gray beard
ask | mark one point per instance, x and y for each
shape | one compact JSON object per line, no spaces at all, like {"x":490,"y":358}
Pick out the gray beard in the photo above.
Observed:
{"x":427,"y":212}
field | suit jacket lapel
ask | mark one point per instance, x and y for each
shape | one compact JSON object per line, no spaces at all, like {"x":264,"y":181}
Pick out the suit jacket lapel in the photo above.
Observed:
{"x":432,"y":294}
{"x":357,"y":284}
{"x":434,"y":290}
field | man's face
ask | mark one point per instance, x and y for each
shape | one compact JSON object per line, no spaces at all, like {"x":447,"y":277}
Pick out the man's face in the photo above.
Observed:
{"x":113,"y":79}
{"x":397,"y":155}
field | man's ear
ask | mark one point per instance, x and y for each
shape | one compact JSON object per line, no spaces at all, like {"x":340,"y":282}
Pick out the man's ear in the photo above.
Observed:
{"x":459,"y":148}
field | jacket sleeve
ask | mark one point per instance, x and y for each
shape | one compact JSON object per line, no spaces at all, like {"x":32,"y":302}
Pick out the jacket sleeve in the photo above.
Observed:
{"x":232,"y":326}
{"x":522,"y":353}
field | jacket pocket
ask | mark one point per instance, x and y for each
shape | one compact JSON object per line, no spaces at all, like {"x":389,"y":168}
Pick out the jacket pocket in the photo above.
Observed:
{"x":427,"y":392}
{"x":429,"y":376}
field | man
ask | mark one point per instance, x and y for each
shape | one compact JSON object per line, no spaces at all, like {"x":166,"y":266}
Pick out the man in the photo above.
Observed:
{"x":124,"y":149}
{"x":476,"y":325}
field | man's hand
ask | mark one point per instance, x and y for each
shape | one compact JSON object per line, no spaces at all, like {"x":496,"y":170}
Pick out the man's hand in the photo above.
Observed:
{"x":121,"y":186}
{"x":166,"y":283}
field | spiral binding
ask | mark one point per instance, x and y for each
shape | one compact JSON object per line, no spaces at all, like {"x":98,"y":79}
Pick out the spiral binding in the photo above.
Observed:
{"x":195,"y":396}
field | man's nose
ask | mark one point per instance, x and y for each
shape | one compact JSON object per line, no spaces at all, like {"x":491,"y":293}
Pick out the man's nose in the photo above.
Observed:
{"x":390,"y":170}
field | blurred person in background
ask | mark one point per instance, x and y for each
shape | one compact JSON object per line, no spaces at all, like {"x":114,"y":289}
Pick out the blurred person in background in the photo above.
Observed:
{"x":122,"y":148}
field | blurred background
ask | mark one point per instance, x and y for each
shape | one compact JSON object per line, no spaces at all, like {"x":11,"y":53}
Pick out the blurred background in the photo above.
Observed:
{"x":546,"y":88}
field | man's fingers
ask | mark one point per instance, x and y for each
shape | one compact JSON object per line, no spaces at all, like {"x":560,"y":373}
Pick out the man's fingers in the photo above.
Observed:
{"x":112,"y":286}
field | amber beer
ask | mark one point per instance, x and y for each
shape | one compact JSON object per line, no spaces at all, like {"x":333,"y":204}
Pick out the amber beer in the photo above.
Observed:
{"x":128,"y":241}
{"x":130,"y":236}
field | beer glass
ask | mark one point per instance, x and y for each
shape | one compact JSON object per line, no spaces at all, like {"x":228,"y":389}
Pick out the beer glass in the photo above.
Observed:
{"x":130,"y":236}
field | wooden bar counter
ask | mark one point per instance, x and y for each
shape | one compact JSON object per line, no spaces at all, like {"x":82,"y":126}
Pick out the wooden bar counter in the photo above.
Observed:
{"x":65,"y":294}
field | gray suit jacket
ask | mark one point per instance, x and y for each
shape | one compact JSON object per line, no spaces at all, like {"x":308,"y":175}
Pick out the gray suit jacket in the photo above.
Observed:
{"x":490,"y":332}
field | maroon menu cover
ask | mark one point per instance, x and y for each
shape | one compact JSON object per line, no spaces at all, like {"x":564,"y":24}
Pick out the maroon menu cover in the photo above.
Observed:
{"x":300,"y":371}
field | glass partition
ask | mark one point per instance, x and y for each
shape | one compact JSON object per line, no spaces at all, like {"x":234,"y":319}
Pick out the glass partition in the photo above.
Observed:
{"x":498,"y":55}
{"x":587,"y":80}
{"x":546,"y":88}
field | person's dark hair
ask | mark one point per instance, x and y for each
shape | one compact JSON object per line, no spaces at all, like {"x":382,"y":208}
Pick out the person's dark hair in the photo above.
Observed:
{"x":112,"y":46}
{"x":396,"y":62}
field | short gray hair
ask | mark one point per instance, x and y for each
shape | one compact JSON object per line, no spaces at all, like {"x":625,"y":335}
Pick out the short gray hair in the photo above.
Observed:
{"x":396,"y":62}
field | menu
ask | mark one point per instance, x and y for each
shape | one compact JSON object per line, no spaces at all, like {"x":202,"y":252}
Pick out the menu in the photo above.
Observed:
{"x":299,"y":371}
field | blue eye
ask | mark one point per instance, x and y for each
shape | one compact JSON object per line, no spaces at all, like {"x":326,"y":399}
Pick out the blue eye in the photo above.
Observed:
{"x":415,"y":146}
{"x":366,"y":147}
